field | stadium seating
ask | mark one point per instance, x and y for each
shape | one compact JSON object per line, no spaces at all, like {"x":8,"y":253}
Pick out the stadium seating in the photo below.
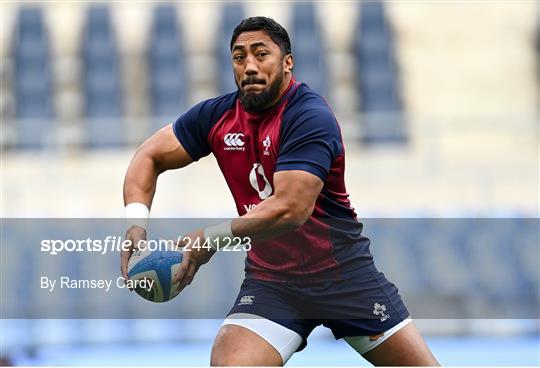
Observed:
{"x":233,"y":13}
{"x":308,"y":48}
{"x":33,"y":79}
{"x":101,"y":78}
{"x":101,"y":65}
{"x":166,"y":68}
{"x":477,"y":266}
{"x":377,"y":77}
{"x":474,"y":165}
{"x":384,"y":93}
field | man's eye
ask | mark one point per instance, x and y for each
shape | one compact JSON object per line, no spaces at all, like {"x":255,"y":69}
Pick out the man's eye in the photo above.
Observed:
{"x":238,"y":57}
{"x":261,"y":54}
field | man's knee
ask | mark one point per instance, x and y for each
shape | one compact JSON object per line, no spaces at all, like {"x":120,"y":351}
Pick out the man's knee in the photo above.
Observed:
{"x":222,"y":358}
{"x":238,"y":346}
{"x":228,"y":359}
{"x":224,"y":351}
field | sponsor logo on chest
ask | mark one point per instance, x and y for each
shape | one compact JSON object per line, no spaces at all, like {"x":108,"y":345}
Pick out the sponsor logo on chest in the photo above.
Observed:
{"x":237,"y":142}
{"x":249,"y":207}
{"x":234,"y":142}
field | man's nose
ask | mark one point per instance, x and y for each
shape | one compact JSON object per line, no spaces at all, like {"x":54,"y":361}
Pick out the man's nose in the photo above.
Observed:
{"x":251,"y":66}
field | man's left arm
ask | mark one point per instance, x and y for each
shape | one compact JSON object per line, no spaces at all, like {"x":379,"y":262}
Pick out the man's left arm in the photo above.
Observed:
{"x":291,"y":205}
{"x":293,"y":201}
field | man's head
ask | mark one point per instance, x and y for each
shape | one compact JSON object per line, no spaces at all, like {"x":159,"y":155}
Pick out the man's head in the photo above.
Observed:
{"x":262,"y":62}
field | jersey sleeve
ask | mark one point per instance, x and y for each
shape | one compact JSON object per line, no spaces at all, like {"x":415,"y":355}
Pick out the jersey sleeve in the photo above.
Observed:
{"x":310,"y":141}
{"x":192,"y":127}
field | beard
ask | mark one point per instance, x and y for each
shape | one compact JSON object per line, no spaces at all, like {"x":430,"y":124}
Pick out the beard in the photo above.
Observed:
{"x":257,"y":102}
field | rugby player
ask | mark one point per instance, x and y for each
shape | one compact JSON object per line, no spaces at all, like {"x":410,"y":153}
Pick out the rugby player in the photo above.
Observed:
{"x":280,"y":150}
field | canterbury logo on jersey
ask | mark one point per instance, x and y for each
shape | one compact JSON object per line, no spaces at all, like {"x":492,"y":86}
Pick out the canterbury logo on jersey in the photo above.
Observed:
{"x":234,"y":142}
{"x":246,"y":300}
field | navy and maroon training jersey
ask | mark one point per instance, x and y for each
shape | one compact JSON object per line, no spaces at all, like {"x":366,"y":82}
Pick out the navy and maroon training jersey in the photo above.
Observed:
{"x":299,"y":133}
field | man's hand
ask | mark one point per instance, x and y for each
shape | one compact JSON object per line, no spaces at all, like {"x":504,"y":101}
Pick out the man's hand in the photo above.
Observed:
{"x":159,"y":153}
{"x":192,"y":258}
{"x":135,"y":235}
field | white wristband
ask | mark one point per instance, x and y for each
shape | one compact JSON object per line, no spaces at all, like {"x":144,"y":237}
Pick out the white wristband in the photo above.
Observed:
{"x":217,"y":234}
{"x":137,"y":214}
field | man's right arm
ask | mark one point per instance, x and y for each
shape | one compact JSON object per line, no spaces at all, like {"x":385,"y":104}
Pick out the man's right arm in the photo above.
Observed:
{"x":159,"y":153}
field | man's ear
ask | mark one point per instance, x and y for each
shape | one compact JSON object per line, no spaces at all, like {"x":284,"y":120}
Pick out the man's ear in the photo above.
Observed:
{"x":288,"y":63}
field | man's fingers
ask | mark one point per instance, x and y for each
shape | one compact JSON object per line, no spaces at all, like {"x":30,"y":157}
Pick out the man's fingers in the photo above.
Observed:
{"x":188,"y":277}
{"x":178,"y":245}
{"x":124,"y":265}
{"x":186,"y":271}
{"x":123,"y":270}
{"x":182,"y":269}
{"x":124,"y":262}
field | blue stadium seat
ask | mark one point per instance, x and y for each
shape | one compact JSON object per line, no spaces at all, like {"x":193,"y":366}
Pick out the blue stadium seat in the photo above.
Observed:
{"x":373,"y":15}
{"x":377,"y":77}
{"x":102,"y":81}
{"x":101,"y":74}
{"x":232,"y":14}
{"x":308,"y":48}
{"x":168,"y":87}
{"x":33,"y":80}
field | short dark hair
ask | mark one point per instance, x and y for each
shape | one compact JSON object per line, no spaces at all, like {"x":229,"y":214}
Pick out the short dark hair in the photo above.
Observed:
{"x":277,"y":33}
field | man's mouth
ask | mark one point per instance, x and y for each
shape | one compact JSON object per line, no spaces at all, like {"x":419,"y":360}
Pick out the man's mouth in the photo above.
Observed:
{"x":252,"y":82}
{"x":253,"y":87}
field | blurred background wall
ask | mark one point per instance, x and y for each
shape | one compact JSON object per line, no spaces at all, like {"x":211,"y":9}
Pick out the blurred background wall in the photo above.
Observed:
{"x":438,"y":105}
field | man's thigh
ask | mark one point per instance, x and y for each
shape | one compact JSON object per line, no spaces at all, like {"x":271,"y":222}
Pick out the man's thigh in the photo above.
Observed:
{"x":262,"y":321}
{"x":253,"y":341}
{"x":382,"y":332}
{"x":403,"y":346}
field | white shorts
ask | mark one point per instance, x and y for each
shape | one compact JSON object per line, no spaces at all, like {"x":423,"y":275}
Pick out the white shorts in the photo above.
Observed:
{"x":363,"y":344}
{"x":287,"y":341}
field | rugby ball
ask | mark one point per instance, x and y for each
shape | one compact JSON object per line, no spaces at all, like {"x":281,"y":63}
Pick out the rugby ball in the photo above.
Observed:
{"x":151,"y":274}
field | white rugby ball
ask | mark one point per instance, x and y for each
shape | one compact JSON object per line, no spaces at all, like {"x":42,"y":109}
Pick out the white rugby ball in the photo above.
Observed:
{"x":159,"y":267}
